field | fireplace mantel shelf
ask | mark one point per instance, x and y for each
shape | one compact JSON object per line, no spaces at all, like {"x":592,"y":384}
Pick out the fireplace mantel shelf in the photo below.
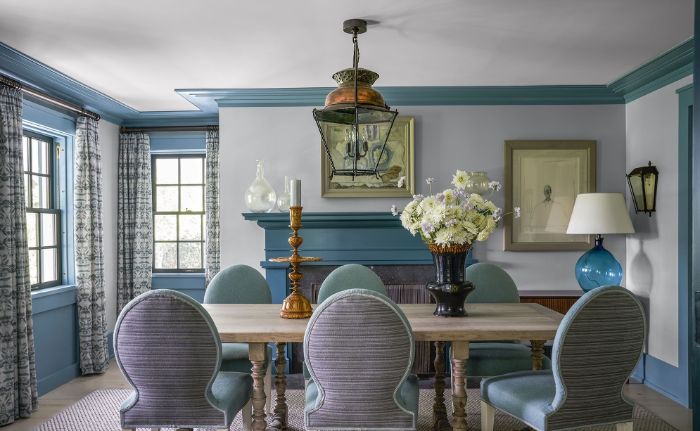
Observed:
{"x":327,"y":219}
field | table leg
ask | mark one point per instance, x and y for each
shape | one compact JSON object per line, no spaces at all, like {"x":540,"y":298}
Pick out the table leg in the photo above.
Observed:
{"x":440,"y":421}
{"x":460,"y":354}
{"x":256,"y":354}
{"x":537,"y":347}
{"x":279,"y":418}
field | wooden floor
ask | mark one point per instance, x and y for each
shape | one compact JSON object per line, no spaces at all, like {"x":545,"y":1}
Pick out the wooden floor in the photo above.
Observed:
{"x":62,"y":397}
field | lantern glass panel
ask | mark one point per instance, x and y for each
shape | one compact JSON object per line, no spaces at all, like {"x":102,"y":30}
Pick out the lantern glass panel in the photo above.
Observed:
{"x":649,"y":191}
{"x":637,"y":191}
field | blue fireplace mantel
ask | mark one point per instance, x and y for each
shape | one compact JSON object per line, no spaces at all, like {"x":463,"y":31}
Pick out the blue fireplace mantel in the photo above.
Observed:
{"x":367,"y":238}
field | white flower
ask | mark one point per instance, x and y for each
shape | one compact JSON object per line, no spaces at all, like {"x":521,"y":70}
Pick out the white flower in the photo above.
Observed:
{"x":394,"y":210}
{"x":429,"y":180}
{"x":498,"y":214}
{"x":460,"y":179}
{"x":516,"y":212}
{"x":402,"y":182}
{"x":495,"y":186}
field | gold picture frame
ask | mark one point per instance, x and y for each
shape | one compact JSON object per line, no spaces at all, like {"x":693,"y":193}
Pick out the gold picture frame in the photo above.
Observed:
{"x":543,"y":178}
{"x":399,"y":154}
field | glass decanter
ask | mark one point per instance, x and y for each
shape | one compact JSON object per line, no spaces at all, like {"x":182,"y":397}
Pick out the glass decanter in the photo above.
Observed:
{"x":260,"y":197}
{"x":284,"y":199}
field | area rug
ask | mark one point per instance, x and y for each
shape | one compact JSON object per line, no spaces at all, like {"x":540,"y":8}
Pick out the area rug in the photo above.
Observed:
{"x":99,"y":411}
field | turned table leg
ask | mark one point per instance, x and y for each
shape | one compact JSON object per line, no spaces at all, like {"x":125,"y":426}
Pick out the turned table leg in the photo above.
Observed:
{"x":279,"y":417}
{"x":537,"y":347}
{"x":440,"y":421}
{"x":460,"y":354}
{"x":256,"y":354}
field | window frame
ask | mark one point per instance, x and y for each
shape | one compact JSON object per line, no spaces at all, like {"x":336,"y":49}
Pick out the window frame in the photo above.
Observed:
{"x":155,"y":212}
{"x":52,"y":201}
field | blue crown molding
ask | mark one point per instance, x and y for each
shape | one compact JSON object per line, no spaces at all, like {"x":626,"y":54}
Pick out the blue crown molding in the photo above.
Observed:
{"x":669,"y":67}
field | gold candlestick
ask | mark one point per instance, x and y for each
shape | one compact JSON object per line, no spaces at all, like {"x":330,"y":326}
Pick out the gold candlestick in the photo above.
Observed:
{"x":296,"y":305}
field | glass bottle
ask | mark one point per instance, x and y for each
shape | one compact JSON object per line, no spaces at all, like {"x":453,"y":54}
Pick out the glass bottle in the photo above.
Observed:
{"x":260,"y":197}
{"x":477,"y":182}
{"x":284,"y":199}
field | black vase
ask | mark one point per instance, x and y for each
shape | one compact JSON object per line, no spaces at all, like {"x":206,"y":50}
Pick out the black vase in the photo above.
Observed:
{"x":449,"y":290}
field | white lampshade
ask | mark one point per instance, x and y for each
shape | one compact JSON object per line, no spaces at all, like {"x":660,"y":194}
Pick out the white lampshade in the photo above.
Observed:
{"x":600,"y":213}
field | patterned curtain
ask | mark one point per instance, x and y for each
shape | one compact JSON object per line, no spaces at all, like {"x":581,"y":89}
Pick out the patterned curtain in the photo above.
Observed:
{"x":213,"y":249}
{"x":89,"y":266}
{"x":135,"y":217}
{"x":18,"y":393}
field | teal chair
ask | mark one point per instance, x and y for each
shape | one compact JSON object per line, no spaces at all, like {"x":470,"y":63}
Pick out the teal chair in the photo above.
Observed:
{"x":350,"y":276}
{"x":360,"y":379}
{"x":240,"y":284}
{"x":598,"y":344}
{"x":494,"y":285}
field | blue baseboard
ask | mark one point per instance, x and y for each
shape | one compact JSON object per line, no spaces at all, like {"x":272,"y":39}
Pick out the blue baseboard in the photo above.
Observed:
{"x":670,"y":381}
{"x":52,"y":381}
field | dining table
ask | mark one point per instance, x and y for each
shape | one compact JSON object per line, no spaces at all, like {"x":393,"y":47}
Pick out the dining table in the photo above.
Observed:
{"x":260,"y":324}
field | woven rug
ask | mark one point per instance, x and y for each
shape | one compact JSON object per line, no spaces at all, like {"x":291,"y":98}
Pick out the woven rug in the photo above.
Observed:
{"x":99,"y":411}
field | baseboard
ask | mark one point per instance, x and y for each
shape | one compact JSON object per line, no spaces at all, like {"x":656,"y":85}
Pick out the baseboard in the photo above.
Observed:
{"x":60,"y":377}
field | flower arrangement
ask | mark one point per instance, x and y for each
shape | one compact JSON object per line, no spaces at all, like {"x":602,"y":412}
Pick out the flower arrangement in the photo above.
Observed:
{"x":453,"y":217}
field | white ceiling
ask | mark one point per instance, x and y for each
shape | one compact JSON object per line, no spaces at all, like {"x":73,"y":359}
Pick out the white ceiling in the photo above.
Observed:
{"x":139,"y":52}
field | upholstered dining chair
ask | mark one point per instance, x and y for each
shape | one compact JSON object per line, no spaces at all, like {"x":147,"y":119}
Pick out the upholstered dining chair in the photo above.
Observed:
{"x":358,"y":348}
{"x":494,"y":285}
{"x":240,"y":284}
{"x":168,"y":348}
{"x":597,"y":346}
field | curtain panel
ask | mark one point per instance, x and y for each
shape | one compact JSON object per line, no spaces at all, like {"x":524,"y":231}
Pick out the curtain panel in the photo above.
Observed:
{"x":213,"y":249}
{"x":135,"y":217}
{"x":18,"y":390}
{"x":89,"y":259}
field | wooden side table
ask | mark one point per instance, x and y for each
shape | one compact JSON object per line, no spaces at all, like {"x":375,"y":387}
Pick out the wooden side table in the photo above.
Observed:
{"x":557,"y":300}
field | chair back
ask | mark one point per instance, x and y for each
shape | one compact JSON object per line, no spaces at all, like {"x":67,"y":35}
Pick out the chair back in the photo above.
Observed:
{"x":350,"y":276}
{"x":167,"y":347}
{"x":359,"y":349}
{"x":598,"y":344}
{"x":492,"y":284}
{"x":238,"y":284}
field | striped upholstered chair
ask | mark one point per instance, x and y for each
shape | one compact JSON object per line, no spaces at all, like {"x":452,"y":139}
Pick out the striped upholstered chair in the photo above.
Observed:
{"x":494,"y":285}
{"x":596,"y":348}
{"x":359,"y":350}
{"x":168,"y":349}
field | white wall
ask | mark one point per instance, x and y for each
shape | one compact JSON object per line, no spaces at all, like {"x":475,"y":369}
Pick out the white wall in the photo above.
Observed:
{"x":109,"y":146}
{"x":652,"y":253}
{"x":446,"y":138}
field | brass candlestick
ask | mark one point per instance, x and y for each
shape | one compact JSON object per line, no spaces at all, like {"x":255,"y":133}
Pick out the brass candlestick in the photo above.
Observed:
{"x":295,"y":306}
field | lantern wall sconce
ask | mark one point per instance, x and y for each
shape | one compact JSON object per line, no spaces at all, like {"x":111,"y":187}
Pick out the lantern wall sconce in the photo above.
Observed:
{"x":355,"y":122}
{"x":643,"y":182}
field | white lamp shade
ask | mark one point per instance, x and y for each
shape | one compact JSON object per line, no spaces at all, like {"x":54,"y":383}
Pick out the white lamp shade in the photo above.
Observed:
{"x":600,"y":213}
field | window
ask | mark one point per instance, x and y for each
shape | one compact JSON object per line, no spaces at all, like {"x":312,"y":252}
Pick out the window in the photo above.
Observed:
{"x":178,"y":213}
{"x":43,"y":214}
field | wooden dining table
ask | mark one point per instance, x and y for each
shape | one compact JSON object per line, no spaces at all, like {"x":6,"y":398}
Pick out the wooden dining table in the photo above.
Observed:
{"x":260,"y":324}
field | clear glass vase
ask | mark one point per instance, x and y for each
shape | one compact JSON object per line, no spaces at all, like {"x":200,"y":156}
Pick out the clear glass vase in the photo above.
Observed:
{"x":477,"y":182}
{"x":260,"y":197}
{"x":284,"y":199}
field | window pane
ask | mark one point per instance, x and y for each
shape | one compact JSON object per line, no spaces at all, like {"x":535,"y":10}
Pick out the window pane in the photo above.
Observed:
{"x":165,"y":255}
{"x":40,"y":154}
{"x":33,"y":267}
{"x":166,"y":198}
{"x":31,"y":230}
{"x":190,"y":227}
{"x":25,"y":153}
{"x":48,"y":230}
{"x":44,"y":192}
{"x":190,"y":255}
{"x":165,"y":227}
{"x":191,"y":171}
{"x":35,"y":191}
{"x":191,"y":198}
{"x":27,"y":186}
{"x":166,"y":171}
{"x":49,"y":263}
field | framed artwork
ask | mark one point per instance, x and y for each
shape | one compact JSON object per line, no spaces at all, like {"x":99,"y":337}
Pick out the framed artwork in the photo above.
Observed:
{"x":396,"y":162}
{"x":543,"y":179}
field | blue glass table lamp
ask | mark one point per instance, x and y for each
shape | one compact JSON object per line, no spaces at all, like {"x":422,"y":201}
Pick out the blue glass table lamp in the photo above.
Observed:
{"x":599,"y":214}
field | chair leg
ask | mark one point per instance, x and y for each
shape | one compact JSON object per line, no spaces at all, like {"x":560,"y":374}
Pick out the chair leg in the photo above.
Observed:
{"x":624,"y":426}
{"x":488,"y":415}
{"x":247,"y":415}
{"x":268,"y":385}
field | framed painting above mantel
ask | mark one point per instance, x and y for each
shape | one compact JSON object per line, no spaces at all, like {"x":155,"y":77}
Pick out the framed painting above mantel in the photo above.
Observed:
{"x":543,"y":179}
{"x":395,"y":162}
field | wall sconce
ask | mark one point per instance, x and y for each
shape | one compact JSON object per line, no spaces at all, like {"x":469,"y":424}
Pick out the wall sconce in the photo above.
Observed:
{"x":643,"y":182}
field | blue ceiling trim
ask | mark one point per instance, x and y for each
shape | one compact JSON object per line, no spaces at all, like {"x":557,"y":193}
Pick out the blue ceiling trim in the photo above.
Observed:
{"x":669,"y":67}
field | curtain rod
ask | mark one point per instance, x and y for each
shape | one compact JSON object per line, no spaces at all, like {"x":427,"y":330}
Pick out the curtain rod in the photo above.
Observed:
{"x":168,"y":129}
{"x":47,"y":98}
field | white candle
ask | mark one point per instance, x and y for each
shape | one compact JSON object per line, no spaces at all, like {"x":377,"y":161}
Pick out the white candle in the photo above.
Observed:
{"x":295,"y":187}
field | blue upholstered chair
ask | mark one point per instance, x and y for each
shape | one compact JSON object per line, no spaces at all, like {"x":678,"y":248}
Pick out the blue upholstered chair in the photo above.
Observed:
{"x":240,"y":284}
{"x":597,"y":346}
{"x":167,"y":347}
{"x":494,"y":285}
{"x":359,"y":349}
